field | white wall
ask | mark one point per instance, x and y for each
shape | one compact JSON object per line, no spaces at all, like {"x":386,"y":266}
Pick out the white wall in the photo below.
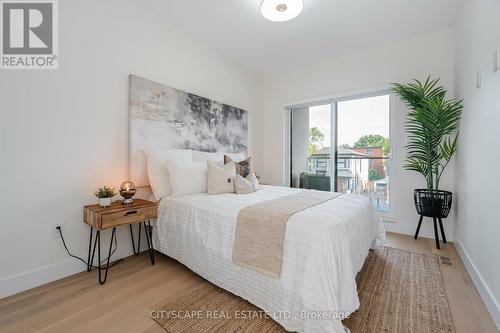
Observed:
{"x":63,"y":133}
{"x":416,"y":58}
{"x":478,"y":220}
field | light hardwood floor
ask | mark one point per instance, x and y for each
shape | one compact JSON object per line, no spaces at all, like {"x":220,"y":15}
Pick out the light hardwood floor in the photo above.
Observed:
{"x":79,"y":304}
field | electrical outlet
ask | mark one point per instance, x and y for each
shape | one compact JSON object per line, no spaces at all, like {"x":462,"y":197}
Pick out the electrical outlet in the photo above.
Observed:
{"x":54,"y":232}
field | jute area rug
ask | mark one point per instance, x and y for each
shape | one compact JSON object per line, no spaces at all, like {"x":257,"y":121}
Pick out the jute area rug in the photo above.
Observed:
{"x":400,"y":291}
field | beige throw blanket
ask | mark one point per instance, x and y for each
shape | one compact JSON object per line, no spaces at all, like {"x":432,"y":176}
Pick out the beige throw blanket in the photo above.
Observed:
{"x":260,"y":230}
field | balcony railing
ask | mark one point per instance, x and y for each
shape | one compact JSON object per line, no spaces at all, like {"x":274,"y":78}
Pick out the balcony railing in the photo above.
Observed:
{"x":355,"y":175}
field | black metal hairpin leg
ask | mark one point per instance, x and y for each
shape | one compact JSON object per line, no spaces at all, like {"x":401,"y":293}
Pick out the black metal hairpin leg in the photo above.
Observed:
{"x":138,"y":239}
{"x":148,"y":229}
{"x":442,"y":230}
{"x":418,"y":227}
{"x":436,"y":236}
{"x":98,"y":240}
{"x":89,"y":263}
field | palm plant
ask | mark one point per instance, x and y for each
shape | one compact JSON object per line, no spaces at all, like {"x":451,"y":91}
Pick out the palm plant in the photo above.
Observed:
{"x":432,"y":127}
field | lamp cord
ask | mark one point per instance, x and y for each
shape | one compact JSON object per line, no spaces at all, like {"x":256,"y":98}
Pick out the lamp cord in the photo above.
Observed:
{"x":83,"y":260}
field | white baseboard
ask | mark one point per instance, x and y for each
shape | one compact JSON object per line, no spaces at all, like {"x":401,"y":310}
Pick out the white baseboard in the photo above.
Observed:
{"x":20,"y":282}
{"x":484,"y":291}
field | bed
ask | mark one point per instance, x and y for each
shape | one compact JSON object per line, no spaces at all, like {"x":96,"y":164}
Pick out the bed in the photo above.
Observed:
{"x":325,"y":247}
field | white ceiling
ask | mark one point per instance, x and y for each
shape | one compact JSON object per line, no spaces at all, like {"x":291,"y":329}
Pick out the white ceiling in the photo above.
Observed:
{"x":326,"y":29}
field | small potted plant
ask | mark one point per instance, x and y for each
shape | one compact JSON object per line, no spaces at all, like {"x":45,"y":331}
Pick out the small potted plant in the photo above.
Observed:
{"x":105,"y":194}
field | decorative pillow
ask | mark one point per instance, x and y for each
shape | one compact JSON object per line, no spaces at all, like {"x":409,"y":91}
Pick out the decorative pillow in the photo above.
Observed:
{"x":157,"y":171}
{"x":252,"y":178}
{"x":205,"y":156}
{"x":243,"y":186}
{"x":187,"y":177}
{"x":242,"y":167}
{"x":220,"y":178}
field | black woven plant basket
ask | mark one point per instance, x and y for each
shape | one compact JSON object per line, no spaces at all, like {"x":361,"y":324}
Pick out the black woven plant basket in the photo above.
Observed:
{"x":433,"y":203}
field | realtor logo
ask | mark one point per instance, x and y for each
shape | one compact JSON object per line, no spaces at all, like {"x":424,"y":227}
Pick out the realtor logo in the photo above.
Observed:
{"x":29,"y":34}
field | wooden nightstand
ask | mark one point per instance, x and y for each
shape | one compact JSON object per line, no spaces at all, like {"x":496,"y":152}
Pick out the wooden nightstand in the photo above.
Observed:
{"x":140,"y":211}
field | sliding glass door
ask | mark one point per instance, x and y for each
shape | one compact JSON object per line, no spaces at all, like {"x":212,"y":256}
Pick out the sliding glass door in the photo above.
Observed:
{"x":311,"y":154}
{"x":359,"y":163}
{"x":363,"y":148}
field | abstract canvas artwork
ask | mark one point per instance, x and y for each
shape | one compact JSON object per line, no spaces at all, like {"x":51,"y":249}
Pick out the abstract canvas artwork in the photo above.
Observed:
{"x":165,"y":117}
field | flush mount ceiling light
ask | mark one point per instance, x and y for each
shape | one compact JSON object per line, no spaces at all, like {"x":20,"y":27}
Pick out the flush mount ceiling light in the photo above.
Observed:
{"x":281,"y":10}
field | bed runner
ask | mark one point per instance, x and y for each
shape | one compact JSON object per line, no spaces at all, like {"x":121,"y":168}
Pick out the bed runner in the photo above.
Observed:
{"x":260,"y":229}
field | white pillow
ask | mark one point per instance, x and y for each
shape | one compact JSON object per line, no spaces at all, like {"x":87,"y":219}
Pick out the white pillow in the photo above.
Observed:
{"x":221,"y":178}
{"x":157,"y":171}
{"x":252,"y":178}
{"x":237,"y":157}
{"x":205,"y":156}
{"x":187,"y":177}
{"x":243,"y":186}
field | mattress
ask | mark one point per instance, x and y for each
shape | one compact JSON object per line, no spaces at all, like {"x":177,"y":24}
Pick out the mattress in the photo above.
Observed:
{"x":325,"y":247}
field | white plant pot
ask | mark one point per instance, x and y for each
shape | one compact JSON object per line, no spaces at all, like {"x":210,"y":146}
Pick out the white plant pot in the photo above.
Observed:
{"x":105,"y":202}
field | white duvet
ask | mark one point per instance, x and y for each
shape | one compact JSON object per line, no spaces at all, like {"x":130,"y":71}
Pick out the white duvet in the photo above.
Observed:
{"x":325,"y":246}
